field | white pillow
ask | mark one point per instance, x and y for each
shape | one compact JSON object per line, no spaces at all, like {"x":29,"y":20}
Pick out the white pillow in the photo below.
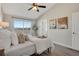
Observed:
{"x":5,"y":39}
{"x":14,"y":38}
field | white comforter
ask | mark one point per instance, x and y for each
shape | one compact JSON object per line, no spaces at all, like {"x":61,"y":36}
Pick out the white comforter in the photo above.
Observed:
{"x":40,"y":44}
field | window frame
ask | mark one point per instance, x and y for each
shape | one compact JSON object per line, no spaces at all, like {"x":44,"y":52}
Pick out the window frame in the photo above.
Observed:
{"x":17,"y":19}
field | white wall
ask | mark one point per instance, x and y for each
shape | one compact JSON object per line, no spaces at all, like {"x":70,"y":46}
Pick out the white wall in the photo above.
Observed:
{"x":61,"y":36}
{"x":0,"y":13}
{"x":60,"y":10}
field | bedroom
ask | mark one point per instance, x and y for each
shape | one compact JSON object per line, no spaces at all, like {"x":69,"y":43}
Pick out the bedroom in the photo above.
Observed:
{"x":42,"y":24}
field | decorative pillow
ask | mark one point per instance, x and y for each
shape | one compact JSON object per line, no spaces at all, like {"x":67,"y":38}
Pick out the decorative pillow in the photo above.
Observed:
{"x":26,"y":37}
{"x":21,"y":38}
{"x":14,"y":38}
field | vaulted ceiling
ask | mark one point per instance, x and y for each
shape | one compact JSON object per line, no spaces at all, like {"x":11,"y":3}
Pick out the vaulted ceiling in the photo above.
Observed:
{"x":21,"y":10}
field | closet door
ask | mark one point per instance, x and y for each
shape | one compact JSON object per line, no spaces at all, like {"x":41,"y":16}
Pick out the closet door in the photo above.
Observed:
{"x":75,"y":31}
{"x":44,"y":27}
{"x":39,"y":24}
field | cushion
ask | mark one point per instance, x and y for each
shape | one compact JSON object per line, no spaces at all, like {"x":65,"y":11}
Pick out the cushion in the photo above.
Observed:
{"x":26,"y":37}
{"x":5,"y":39}
{"x":26,"y":48}
{"x":22,"y":37}
{"x":14,"y":38}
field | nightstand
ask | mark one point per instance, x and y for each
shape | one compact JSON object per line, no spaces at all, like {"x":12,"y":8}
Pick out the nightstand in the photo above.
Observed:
{"x":1,"y":52}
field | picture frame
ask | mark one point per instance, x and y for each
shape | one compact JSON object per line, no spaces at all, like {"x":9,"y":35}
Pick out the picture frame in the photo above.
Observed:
{"x":59,"y":23}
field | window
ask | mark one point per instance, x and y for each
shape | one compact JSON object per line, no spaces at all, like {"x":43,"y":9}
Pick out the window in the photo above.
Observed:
{"x":21,"y":23}
{"x":27,"y":24}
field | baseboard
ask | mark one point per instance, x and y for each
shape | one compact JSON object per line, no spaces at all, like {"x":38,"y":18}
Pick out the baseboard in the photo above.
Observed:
{"x":65,"y":45}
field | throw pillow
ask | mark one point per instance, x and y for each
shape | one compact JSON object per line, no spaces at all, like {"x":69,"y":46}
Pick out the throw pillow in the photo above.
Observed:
{"x":21,"y":38}
{"x":26,"y":37}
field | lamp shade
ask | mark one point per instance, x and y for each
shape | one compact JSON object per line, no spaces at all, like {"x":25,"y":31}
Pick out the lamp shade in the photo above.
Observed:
{"x":4,"y":24}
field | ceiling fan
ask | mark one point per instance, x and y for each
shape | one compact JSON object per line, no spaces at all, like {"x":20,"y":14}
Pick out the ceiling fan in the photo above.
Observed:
{"x":35,"y":6}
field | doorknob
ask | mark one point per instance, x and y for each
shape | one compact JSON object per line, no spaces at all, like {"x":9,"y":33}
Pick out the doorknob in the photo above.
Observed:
{"x":73,"y":33}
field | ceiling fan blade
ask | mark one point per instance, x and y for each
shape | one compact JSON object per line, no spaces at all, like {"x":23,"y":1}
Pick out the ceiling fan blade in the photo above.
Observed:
{"x":42,"y":6}
{"x":30,"y":8}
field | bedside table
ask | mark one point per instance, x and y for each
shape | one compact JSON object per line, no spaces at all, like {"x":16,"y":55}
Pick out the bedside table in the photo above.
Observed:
{"x":1,"y":52}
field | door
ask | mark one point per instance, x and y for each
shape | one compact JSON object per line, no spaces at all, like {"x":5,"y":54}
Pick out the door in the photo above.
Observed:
{"x":75,"y":31}
{"x":44,"y":27}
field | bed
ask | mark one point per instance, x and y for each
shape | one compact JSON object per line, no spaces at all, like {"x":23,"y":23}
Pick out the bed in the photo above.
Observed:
{"x":40,"y":44}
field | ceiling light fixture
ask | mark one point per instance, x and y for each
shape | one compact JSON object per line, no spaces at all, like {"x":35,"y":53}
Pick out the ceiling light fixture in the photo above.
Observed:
{"x":34,"y":8}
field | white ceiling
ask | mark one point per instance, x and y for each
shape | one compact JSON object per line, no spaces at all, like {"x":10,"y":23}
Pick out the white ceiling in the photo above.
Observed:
{"x":21,"y":10}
